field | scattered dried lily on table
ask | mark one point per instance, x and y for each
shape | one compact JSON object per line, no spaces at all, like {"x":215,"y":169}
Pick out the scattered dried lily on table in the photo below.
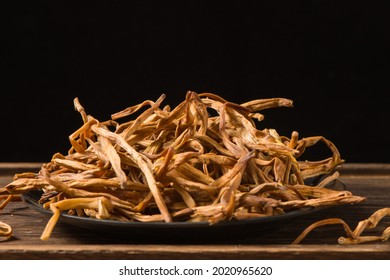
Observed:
{"x":353,"y":236}
{"x":205,"y":160}
{"x":5,"y":229}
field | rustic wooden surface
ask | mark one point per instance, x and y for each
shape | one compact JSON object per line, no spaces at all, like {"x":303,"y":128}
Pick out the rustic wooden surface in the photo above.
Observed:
{"x":67,"y":242}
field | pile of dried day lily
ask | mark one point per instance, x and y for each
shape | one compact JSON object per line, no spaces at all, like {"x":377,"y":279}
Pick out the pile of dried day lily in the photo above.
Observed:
{"x":205,"y":160}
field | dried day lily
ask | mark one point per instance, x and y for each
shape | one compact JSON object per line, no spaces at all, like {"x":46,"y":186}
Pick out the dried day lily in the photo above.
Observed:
{"x":5,"y":230}
{"x":353,"y":236}
{"x":203,"y":161}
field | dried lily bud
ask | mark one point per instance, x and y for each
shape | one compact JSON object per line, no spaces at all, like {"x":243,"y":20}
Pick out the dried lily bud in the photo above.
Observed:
{"x":5,"y":230}
{"x":355,"y":236}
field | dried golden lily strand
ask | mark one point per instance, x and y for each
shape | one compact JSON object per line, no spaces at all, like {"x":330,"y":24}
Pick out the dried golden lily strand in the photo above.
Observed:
{"x":133,"y":109}
{"x":23,"y":185}
{"x":4,"y":201}
{"x":80,"y":109}
{"x":331,"y":178}
{"x":114,"y":159}
{"x":325,"y":222}
{"x":100,"y":183}
{"x":237,"y":170}
{"x":178,"y":178}
{"x":103,"y":205}
{"x":312,"y":169}
{"x":74,"y":165}
{"x":331,"y":200}
{"x":186,"y":196}
{"x":62,"y":187}
{"x":173,"y":117}
{"x":226,"y":140}
{"x":233,"y":181}
{"x":131,"y":129}
{"x":143,"y":165}
{"x":217,"y":146}
{"x":369,"y":223}
{"x":199,"y":113}
{"x":267,"y":103}
{"x":355,"y":236}
{"x":5,"y":230}
{"x":80,"y":148}
{"x":372,"y":221}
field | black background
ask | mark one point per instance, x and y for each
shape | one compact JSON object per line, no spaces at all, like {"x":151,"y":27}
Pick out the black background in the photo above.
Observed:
{"x":330,"y":57}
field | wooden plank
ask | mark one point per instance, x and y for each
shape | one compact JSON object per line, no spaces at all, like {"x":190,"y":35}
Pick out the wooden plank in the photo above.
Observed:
{"x":11,"y":168}
{"x":119,"y":252}
{"x":365,"y":168}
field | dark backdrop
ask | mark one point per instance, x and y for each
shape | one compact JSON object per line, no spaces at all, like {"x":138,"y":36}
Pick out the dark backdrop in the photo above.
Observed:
{"x":330,"y":57}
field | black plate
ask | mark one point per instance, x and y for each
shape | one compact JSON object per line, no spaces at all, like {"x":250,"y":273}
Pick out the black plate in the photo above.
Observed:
{"x":173,"y":230}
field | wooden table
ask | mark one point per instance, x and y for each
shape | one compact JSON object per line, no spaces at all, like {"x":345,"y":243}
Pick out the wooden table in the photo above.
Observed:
{"x":66,"y":242}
